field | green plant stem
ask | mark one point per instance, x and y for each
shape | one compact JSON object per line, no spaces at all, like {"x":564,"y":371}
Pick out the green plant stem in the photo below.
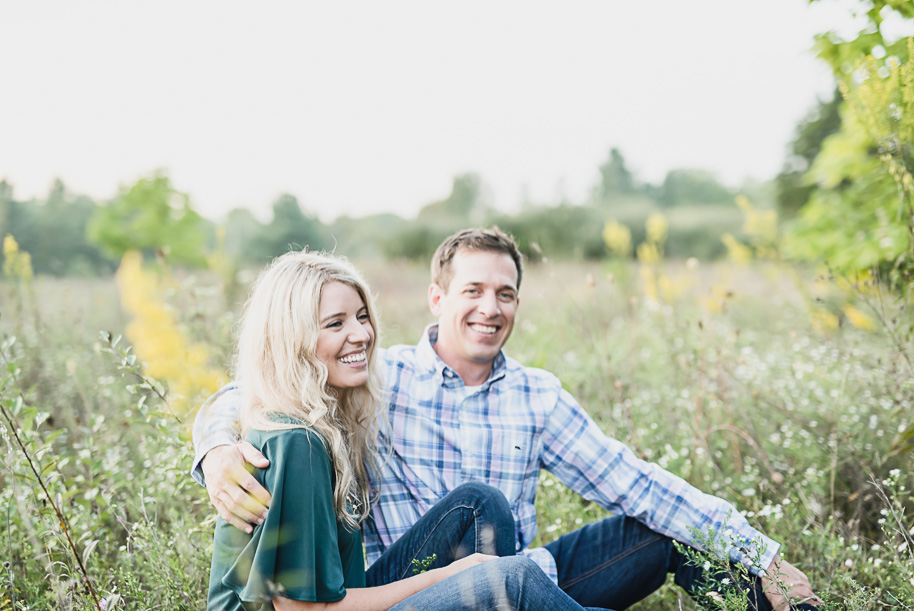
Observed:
{"x":14,"y":428}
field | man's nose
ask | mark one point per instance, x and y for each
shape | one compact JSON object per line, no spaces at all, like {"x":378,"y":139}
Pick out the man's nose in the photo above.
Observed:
{"x":488,"y":304}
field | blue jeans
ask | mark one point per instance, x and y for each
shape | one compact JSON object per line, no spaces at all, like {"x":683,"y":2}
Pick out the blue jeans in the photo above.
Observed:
{"x":474,"y":517}
{"x":507,"y":583}
{"x":618,"y":561}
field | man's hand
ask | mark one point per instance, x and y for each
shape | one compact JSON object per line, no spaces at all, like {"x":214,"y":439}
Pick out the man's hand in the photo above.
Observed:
{"x":235,"y":493}
{"x":784,"y":583}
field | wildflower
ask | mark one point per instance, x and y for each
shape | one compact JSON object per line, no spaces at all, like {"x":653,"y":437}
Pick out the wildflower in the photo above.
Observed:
{"x":736,"y":250}
{"x":725,"y":581}
{"x":707,"y":565}
{"x":858,"y":319}
{"x":656,"y":227}
{"x":158,"y":340}
{"x":648,"y":253}
{"x":618,"y":238}
{"x":16,"y":263}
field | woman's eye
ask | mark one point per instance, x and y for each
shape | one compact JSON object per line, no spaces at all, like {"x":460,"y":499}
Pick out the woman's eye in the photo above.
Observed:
{"x":332,"y":324}
{"x":364,"y":317}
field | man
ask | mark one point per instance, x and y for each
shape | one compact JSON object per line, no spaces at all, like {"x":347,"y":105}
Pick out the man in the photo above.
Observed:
{"x":461,"y":410}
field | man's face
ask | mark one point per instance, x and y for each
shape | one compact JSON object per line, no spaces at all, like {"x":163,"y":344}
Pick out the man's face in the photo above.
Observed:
{"x":476,"y":310}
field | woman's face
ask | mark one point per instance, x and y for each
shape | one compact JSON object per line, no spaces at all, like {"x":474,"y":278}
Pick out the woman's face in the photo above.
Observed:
{"x":345,"y":335}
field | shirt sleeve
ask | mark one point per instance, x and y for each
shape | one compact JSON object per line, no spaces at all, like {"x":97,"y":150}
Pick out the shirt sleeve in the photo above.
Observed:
{"x":607,"y":472}
{"x":295,"y":552}
{"x":216,"y":424}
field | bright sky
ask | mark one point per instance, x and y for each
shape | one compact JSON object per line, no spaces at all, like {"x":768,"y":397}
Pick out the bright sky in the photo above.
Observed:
{"x":363,"y":107}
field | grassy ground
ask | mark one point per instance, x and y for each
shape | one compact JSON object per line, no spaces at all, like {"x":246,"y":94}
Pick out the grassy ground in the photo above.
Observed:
{"x":722,"y":379}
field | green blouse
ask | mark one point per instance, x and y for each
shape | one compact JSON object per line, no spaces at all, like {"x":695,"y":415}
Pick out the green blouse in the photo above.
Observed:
{"x":301,"y":551}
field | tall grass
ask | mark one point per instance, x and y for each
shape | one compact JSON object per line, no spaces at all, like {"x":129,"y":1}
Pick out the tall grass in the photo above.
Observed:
{"x":723,"y":381}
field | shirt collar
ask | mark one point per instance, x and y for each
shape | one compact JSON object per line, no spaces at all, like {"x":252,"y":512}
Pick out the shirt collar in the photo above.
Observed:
{"x":429,"y":360}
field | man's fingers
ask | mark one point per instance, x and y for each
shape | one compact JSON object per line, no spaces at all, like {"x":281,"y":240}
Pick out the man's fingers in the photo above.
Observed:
{"x":253,"y":456}
{"x":228,"y":506}
{"x":259,"y":498}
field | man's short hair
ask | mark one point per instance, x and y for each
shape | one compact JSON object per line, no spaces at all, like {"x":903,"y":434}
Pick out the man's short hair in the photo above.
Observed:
{"x":474,"y":239}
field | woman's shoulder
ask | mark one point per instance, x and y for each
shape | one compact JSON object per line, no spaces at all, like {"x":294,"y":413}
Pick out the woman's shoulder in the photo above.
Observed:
{"x":289,"y":439}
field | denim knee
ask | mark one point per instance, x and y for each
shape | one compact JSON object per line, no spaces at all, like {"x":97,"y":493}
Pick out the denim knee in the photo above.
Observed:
{"x":485,"y":494}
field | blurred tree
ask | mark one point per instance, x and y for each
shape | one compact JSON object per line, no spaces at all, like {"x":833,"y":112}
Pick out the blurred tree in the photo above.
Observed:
{"x":366,"y":236}
{"x":685,"y":186}
{"x":240,"y":229}
{"x":54,"y":231}
{"x":60,"y":241}
{"x":615,"y":178}
{"x":794,"y":185}
{"x":151,"y":215}
{"x":290,"y":228}
{"x":464,"y":206}
{"x":858,"y":214}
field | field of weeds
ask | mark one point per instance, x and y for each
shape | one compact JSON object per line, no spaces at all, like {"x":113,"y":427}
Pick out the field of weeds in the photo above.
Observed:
{"x":789,"y":394}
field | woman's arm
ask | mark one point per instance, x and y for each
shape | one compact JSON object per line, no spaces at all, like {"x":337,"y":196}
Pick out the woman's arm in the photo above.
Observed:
{"x":386,"y":596}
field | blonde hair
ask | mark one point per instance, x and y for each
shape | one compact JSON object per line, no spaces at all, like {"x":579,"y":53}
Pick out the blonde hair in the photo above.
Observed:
{"x":277,"y":366}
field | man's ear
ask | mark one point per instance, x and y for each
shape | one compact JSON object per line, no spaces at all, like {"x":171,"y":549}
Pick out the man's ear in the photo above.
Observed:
{"x":435,"y":293}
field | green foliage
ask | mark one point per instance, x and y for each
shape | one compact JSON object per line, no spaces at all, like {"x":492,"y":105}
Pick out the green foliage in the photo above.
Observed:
{"x":615,"y":178}
{"x":744,"y":401}
{"x":793,"y":184}
{"x":290,"y":228}
{"x":692,"y":187}
{"x":856,"y":211}
{"x":457,"y":210}
{"x":860,"y":216}
{"x":151,"y":216}
{"x":53,"y":231}
{"x":423,"y":565}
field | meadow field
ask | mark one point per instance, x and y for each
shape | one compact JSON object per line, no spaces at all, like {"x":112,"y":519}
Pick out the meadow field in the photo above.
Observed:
{"x":784,"y":391}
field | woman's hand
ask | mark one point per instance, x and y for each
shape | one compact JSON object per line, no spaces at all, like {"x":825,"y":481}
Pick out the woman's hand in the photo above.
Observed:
{"x":462,"y":564}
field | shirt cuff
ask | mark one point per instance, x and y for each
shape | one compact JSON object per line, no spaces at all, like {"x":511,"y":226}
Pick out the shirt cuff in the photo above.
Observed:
{"x":205,"y":447}
{"x":757,"y":554}
{"x":543,"y":558}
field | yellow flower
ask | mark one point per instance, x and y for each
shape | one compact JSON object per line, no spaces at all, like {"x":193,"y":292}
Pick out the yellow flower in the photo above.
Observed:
{"x":823,"y":320}
{"x":158,"y":341}
{"x":618,"y":238}
{"x":858,"y":319}
{"x":656,"y":227}
{"x":736,"y":250}
{"x":649,"y":254}
{"x":16,"y":263}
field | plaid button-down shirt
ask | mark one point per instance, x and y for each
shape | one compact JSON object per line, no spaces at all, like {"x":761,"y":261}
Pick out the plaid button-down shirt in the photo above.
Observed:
{"x":503,"y":433}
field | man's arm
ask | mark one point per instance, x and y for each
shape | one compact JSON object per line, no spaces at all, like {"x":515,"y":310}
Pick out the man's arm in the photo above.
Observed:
{"x":606,"y":471}
{"x":224,"y":465}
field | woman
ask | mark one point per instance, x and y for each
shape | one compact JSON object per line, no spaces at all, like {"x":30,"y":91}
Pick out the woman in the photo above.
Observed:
{"x":312,"y":406}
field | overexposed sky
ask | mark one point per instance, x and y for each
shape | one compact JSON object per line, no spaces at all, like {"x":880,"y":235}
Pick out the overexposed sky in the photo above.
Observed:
{"x":363,"y":107}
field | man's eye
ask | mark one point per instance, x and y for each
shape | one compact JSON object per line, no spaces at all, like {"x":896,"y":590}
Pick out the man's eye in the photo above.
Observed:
{"x":507,"y":296}
{"x":472,"y":291}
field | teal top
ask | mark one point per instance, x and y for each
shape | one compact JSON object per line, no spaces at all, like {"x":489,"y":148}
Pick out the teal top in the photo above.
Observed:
{"x":301,"y":551}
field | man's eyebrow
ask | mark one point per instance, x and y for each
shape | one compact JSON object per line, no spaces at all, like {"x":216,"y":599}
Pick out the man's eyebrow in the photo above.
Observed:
{"x":502,"y":288}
